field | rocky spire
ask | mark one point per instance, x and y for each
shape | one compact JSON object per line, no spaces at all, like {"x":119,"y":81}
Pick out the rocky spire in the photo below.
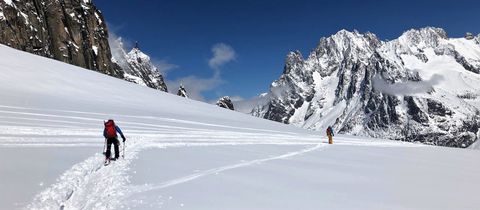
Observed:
{"x":182,"y":91}
{"x":137,"y":66}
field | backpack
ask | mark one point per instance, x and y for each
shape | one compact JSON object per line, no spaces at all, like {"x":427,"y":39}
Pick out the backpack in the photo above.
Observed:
{"x":110,"y":130}
{"x":329,"y":131}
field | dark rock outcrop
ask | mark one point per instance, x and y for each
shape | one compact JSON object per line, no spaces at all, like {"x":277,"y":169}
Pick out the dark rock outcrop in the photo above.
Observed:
{"x":72,"y":31}
{"x":225,"y":102}
{"x":182,"y":91}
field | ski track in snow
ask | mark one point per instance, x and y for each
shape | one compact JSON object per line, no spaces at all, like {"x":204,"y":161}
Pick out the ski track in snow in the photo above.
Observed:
{"x":141,"y":189}
{"x":90,"y":185}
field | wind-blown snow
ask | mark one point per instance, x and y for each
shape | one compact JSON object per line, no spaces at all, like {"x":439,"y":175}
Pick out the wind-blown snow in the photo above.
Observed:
{"x":475,"y":145}
{"x":9,"y":2}
{"x":183,"y":154}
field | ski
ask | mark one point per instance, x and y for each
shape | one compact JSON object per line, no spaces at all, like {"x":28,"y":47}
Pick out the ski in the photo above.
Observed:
{"x":108,"y":161}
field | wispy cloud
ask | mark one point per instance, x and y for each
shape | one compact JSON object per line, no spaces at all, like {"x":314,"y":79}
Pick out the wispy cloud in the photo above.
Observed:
{"x":222,"y":54}
{"x":195,"y":86}
{"x":163,"y":65}
{"x":406,"y":88}
{"x":246,"y":105}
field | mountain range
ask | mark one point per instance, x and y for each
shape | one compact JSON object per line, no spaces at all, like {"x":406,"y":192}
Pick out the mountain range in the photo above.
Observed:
{"x":421,"y":87}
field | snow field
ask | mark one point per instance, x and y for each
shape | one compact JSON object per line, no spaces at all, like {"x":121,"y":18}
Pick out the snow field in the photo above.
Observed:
{"x":183,"y":154}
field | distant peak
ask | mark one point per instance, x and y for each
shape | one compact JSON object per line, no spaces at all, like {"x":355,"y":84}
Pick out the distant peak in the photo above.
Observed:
{"x":294,"y":57}
{"x":426,"y":32}
{"x":136,"y":46}
{"x":347,"y":33}
{"x":343,"y":33}
{"x":295,"y":53}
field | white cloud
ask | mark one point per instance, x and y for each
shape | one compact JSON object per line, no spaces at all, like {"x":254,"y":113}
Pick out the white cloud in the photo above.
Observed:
{"x":406,"y":88}
{"x":163,"y":65}
{"x":222,"y":54}
{"x":247,"y":105}
{"x":194,"y":86}
{"x":117,"y":48}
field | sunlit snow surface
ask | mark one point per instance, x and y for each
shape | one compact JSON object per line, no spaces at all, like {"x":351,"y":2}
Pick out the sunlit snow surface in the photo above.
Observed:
{"x":182,"y":154}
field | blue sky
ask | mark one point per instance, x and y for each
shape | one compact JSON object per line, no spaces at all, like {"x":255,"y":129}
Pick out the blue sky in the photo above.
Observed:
{"x":260,"y":33}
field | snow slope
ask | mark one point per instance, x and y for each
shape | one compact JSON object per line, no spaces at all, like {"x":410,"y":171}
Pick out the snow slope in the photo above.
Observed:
{"x":183,"y":154}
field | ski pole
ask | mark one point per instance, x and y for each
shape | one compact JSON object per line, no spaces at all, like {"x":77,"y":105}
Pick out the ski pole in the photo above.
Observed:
{"x":104,"y":146}
{"x":123,"y":156}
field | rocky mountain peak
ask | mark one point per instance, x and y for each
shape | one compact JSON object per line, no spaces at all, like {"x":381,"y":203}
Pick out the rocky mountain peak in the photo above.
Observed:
{"x":345,"y":44}
{"x":469,"y":36}
{"x":424,"y":37}
{"x":399,"y":89}
{"x":225,"y":102}
{"x":182,"y":91}
{"x":292,"y":61}
{"x":136,"y":55}
{"x":137,"y":66}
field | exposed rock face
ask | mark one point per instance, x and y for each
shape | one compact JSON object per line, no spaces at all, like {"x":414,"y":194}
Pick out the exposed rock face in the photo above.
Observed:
{"x":137,"y":67}
{"x":469,"y":36}
{"x":72,"y":31}
{"x":182,"y":92}
{"x":364,"y":86}
{"x":225,"y":102}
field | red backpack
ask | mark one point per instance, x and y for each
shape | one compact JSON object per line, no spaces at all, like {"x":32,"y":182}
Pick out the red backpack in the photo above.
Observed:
{"x":110,"y":129}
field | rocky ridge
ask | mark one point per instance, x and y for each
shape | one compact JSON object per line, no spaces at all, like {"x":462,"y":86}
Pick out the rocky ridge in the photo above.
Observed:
{"x":225,"y":102}
{"x":421,"y":87}
{"x":72,"y":31}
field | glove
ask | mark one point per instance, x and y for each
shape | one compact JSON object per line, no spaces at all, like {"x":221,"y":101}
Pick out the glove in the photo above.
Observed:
{"x":124,"y":139}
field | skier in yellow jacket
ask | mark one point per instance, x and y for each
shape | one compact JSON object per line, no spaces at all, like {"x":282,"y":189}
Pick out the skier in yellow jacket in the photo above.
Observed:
{"x":330,"y":135}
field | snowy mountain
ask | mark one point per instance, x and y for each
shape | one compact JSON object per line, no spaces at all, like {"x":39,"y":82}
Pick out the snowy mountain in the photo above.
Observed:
{"x":51,"y":153}
{"x":72,"y":31}
{"x":137,"y":67}
{"x":225,"y":102}
{"x":421,"y":87}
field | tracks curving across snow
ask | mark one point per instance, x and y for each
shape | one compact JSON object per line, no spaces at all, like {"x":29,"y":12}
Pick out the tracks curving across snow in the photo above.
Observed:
{"x":90,"y":185}
{"x":143,"y":188}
